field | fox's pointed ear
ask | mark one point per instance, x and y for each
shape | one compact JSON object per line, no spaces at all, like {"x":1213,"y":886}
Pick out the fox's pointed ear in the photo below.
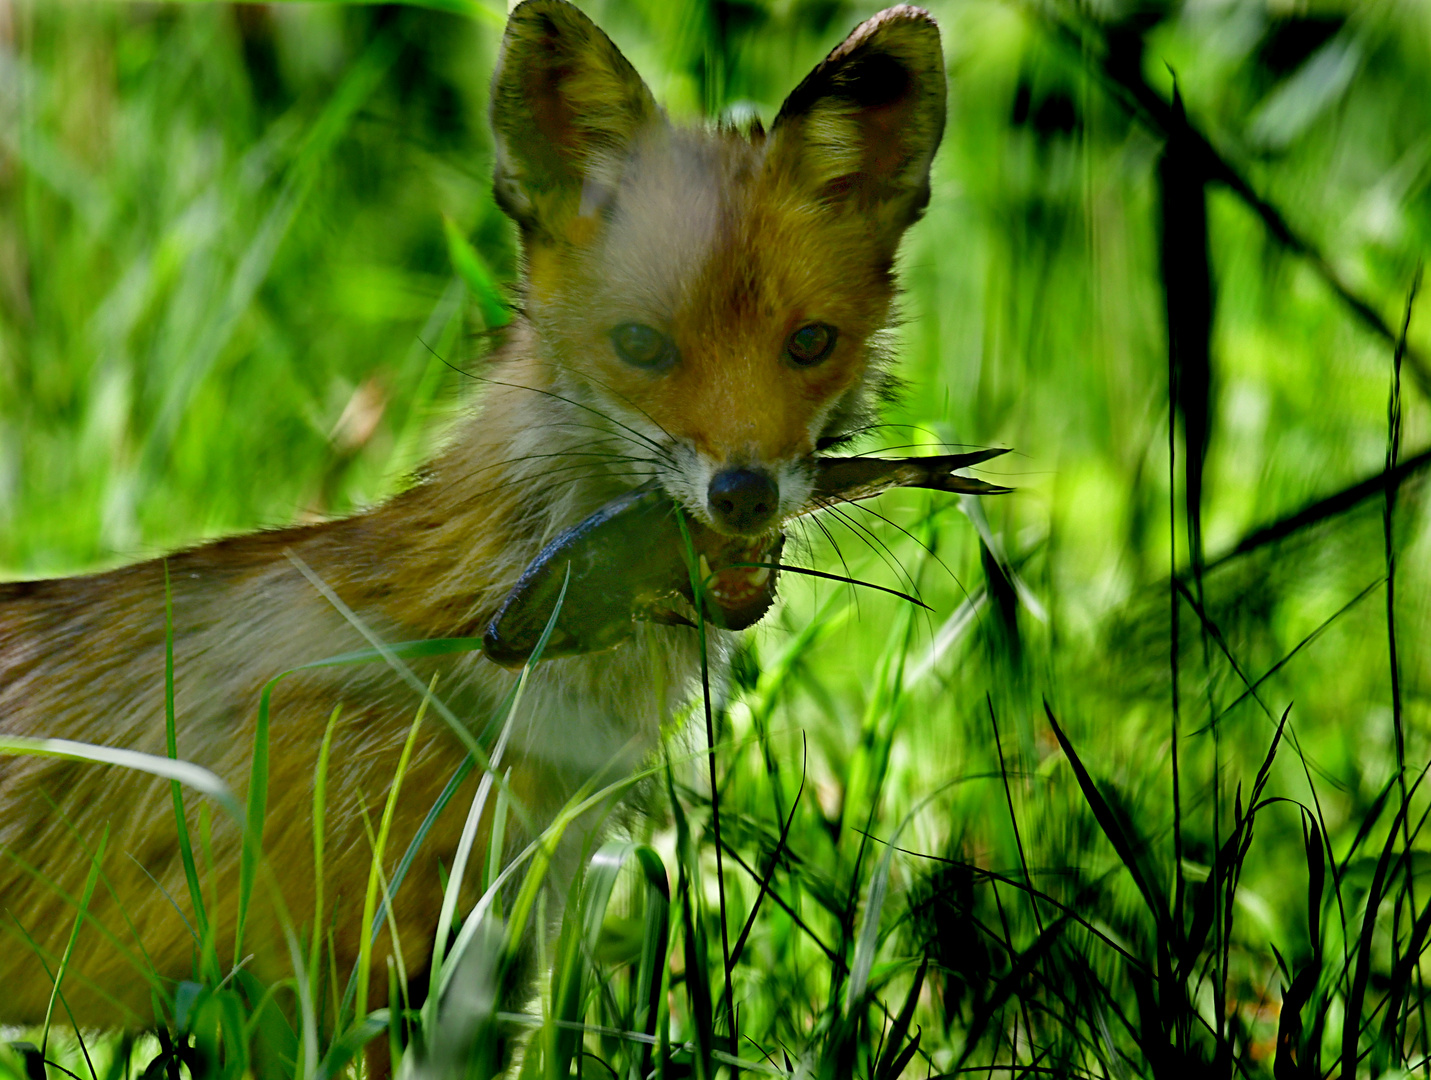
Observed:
{"x":566,"y":106}
{"x":862,"y":128}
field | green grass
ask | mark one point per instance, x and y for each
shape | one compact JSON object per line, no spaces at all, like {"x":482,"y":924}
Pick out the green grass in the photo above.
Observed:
{"x":236,"y":244}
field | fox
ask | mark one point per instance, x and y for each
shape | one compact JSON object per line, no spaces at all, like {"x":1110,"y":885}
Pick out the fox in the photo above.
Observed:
{"x":702,"y":308}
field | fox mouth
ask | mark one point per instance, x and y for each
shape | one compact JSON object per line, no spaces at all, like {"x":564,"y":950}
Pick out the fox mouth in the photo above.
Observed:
{"x":739,"y":576}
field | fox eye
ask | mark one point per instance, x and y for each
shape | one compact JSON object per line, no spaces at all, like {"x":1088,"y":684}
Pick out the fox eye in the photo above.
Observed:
{"x":643,"y":346}
{"x":810,"y":344}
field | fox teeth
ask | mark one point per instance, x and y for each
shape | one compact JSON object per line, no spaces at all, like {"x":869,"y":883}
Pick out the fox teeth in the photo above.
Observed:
{"x":705,"y":568}
{"x":760,"y":577}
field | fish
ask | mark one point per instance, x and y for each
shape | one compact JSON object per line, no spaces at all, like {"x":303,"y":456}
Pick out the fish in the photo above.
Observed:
{"x":632,"y":559}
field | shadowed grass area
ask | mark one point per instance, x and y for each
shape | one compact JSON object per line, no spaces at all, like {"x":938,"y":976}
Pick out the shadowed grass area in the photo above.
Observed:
{"x":1140,"y":796}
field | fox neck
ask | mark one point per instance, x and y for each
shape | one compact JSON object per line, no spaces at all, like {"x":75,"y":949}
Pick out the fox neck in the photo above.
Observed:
{"x":531,"y":462}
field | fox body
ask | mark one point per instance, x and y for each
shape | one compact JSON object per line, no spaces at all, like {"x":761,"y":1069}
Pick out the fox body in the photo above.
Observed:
{"x":698,"y":307}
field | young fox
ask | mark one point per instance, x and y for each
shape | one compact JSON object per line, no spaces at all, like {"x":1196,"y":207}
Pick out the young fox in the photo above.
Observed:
{"x":698,"y":307}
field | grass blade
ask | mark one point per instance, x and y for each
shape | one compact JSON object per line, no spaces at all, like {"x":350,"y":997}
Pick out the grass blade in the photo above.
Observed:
{"x":186,"y":851}
{"x":370,"y":899}
{"x":1130,"y":856}
{"x":89,"y":884}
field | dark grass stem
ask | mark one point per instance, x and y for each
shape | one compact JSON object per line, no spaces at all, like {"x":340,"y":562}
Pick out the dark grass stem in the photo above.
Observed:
{"x":698,"y":592}
{"x":1393,"y":452}
{"x":1013,"y":818}
{"x":1019,"y":844}
{"x":836,"y":960}
{"x":805,"y":571}
{"x":1322,"y":510}
{"x":1007,"y":941}
{"x":1307,"y":767}
{"x":1174,"y":645}
{"x":1130,"y":90}
{"x":1186,"y":276}
{"x":775,"y":857}
{"x":1361,"y":974}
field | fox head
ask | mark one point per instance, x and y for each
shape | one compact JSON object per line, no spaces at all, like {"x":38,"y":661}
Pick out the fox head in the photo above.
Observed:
{"x":715,"y":295}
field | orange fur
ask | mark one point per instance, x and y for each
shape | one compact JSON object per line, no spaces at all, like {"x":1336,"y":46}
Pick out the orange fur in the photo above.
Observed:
{"x":724,"y":243}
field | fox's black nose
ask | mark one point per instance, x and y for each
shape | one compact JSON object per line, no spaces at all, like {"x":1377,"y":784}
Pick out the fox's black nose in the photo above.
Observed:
{"x":743,"y":499}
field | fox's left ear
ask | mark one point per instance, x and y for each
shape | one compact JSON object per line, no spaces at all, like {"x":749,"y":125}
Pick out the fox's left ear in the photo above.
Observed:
{"x":566,"y":109}
{"x":862,"y":128}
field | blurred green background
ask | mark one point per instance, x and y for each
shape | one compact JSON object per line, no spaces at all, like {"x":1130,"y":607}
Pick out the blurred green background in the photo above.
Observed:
{"x":227,"y":292}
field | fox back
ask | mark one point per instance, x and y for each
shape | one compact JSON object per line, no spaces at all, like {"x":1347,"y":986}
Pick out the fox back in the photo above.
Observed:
{"x":701,"y":308}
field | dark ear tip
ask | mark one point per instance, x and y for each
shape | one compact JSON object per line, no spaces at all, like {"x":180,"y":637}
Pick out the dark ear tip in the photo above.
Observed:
{"x":910,"y":32}
{"x":529,"y":9}
{"x":910,"y":12}
{"x":905,"y":17}
{"x":546,"y":17}
{"x":885,"y":59}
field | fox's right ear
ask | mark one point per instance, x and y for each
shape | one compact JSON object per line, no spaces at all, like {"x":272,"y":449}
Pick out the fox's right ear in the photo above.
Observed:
{"x":862,"y":128}
{"x":566,"y":106}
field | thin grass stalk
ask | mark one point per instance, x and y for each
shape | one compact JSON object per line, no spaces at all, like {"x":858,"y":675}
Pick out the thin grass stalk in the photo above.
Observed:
{"x":320,"y":798}
{"x":254,"y":816}
{"x":1361,"y":976}
{"x":333,"y":973}
{"x":497,"y":839}
{"x":1253,"y":684}
{"x":776,"y":677}
{"x":1174,"y":645}
{"x":394,"y":1026}
{"x":1018,"y":842}
{"x":206,"y":850}
{"x":653,"y":980}
{"x":1320,"y":817}
{"x":1007,"y":941}
{"x":539,"y":852}
{"x":452,"y":893}
{"x":1393,"y":451}
{"x":208,"y":957}
{"x":80,"y":916}
{"x":698,"y":591}
{"x":890,"y":1064}
{"x":386,"y":910}
{"x":866,"y":782}
{"x":195,"y":776}
{"x":775,"y":858}
{"x":258,"y":775}
{"x":307,"y":1049}
{"x":1221,"y":932}
{"x":693,"y":938}
{"x":393,"y":656}
{"x":370,"y":897}
{"x":34,"y":947}
{"x":142,"y":963}
{"x":588,"y":899}
{"x":1321,"y":511}
{"x":415,"y":845}
{"x":836,"y":961}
